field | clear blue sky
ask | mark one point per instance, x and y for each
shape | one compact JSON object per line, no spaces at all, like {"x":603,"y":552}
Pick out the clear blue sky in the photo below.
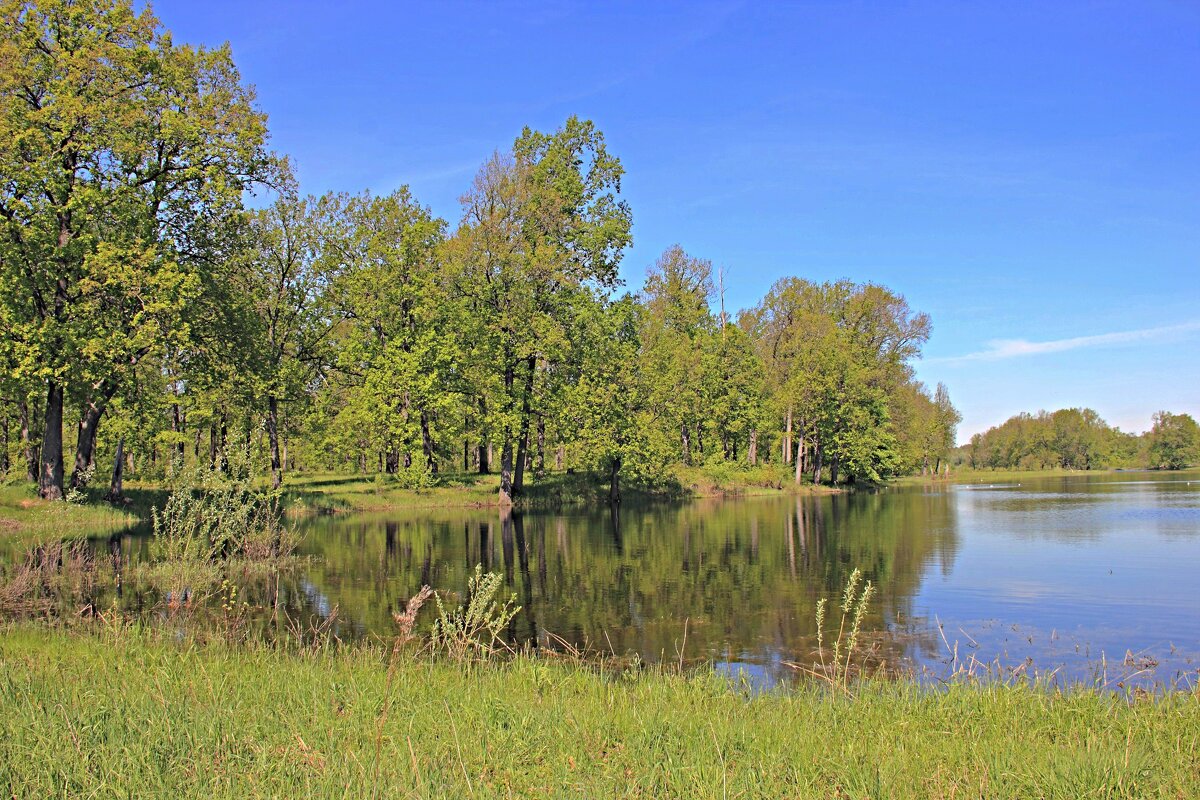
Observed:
{"x":1026,"y":173}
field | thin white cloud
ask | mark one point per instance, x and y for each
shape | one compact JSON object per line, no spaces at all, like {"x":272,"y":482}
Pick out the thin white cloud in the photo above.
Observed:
{"x":1000,"y":349}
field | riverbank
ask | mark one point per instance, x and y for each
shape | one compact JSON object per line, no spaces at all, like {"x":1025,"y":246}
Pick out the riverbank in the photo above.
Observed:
{"x":1016,"y":475}
{"x":336,"y":492}
{"x":24,"y":516}
{"x":119,"y":712}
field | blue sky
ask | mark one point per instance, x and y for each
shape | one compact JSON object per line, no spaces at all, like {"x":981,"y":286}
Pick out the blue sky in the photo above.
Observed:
{"x":1028,"y":174}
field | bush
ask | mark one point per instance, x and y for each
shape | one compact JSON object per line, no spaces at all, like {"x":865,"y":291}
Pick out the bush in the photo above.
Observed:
{"x":213,"y":519}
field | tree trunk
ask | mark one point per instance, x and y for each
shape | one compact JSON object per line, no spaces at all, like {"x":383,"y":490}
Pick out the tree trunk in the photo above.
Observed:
{"x":522,"y":461}
{"x":560,"y":457}
{"x":686,"y":444}
{"x":801,"y":449}
{"x":85,"y":443}
{"x":506,"y":471}
{"x":485,"y":447}
{"x":833,"y":469}
{"x":115,"y":487}
{"x":391,"y":461}
{"x":27,"y":445}
{"x":506,"y":450}
{"x":50,"y":478}
{"x":4,"y":462}
{"x":89,"y":425}
{"x":523,"y":435}
{"x":787,"y":438}
{"x":177,"y":424}
{"x":819,"y":456}
{"x":427,"y":444}
{"x":752,"y":450}
{"x":273,"y":437}
{"x":540,"y":466}
{"x":614,"y":481}
{"x":466,"y":454}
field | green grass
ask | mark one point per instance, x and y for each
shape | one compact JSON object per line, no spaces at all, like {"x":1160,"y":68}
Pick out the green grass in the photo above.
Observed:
{"x":333,"y":492}
{"x":125,"y":715}
{"x":24,"y":516}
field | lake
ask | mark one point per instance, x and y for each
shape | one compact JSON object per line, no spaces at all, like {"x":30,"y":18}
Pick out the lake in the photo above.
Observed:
{"x":1088,"y":577}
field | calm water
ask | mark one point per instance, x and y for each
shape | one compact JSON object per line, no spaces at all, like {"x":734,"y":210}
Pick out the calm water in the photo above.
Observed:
{"x":1073,"y":573}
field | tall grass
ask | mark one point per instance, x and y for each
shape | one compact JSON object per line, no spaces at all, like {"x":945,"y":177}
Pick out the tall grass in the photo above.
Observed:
{"x":124,"y":713}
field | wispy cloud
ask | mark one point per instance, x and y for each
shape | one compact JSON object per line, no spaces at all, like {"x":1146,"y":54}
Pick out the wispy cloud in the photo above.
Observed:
{"x":1000,"y":349}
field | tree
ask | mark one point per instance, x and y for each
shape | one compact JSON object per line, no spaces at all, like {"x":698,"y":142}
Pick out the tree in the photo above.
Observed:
{"x":116,"y":146}
{"x":609,"y":401}
{"x":286,"y":275}
{"x":539,"y":227}
{"x":675,"y":325}
{"x":1174,"y":441}
{"x":835,"y":354}
{"x":398,"y":346}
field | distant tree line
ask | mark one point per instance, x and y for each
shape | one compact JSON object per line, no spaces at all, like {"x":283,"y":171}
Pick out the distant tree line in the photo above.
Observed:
{"x":1077,"y":438}
{"x":152,"y":318}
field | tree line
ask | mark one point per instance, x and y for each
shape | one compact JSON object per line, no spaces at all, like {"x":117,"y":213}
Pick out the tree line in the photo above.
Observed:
{"x":1077,"y":438}
{"x":167,"y":293}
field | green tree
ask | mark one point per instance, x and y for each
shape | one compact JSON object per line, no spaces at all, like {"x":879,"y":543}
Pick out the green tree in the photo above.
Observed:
{"x":1174,"y":441}
{"x":119,"y":148}
{"x":609,"y":402}
{"x":398,"y":346}
{"x":539,"y":228}
{"x":675,"y":327}
{"x":286,"y":274}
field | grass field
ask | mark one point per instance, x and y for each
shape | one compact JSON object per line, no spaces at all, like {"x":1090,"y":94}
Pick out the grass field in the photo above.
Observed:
{"x":24,"y":516}
{"x":127,"y":715}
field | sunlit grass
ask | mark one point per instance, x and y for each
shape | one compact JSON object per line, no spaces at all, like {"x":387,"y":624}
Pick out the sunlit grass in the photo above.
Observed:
{"x":24,"y":516}
{"x":126,"y":714}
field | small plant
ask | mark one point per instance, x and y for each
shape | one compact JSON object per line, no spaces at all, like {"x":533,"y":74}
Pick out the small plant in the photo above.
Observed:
{"x":474,"y":629}
{"x":416,"y":475}
{"x":856,"y":597}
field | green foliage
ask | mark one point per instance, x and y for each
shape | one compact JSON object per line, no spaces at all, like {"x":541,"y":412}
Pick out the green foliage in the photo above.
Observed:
{"x":1070,"y":438}
{"x":1174,"y":441}
{"x":211,"y":519}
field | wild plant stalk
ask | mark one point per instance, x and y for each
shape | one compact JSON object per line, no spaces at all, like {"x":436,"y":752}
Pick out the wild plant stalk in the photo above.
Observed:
{"x":405,"y":620}
{"x":856,"y":597}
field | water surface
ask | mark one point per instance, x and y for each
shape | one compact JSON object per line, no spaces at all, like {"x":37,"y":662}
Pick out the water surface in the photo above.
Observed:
{"x":1088,"y":577}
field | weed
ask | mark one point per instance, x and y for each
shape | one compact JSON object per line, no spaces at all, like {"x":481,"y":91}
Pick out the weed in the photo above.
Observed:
{"x":475,"y":628}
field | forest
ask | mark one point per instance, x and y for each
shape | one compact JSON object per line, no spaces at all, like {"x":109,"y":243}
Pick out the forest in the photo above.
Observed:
{"x":166,"y":293}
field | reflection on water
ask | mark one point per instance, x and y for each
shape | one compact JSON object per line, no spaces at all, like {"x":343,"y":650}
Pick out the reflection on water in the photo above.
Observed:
{"x":1070,"y":572}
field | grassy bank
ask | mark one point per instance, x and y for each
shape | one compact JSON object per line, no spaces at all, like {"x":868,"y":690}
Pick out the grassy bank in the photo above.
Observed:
{"x":23,"y":515}
{"x":334,"y":492}
{"x":126,"y":715}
